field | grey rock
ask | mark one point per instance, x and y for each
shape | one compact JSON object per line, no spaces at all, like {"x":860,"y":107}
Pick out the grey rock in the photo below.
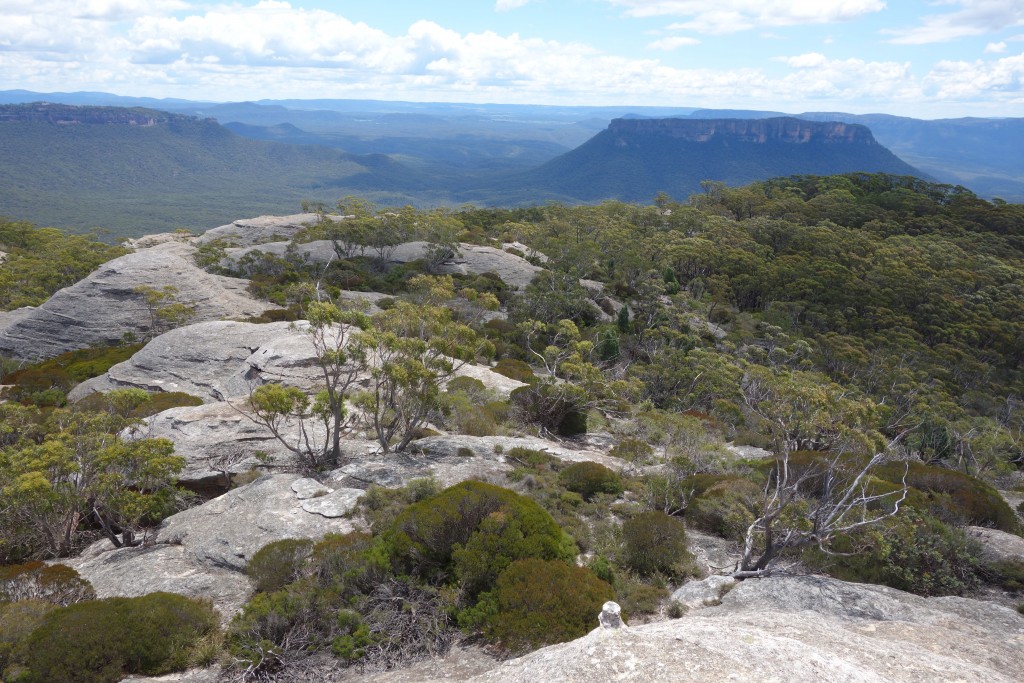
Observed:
{"x":998,"y":546}
{"x":214,"y":361}
{"x":251,"y":231}
{"x":335,"y":504}
{"x":226,"y":531}
{"x":131,"y":572}
{"x":214,"y":438}
{"x":309,"y":488}
{"x":713,"y":554}
{"x":101,"y":308}
{"x":611,"y":616}
{"x":705,"y":593}
{"x":766,"y":630}
{"x":190,"y":676}
{"x":448,"y":445}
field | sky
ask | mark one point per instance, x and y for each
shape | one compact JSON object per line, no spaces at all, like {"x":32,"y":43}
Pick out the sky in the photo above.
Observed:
{"x":928,"y":59}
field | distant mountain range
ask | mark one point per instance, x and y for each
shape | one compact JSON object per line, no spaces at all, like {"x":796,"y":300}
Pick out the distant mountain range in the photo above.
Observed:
{"x":138,"y":169}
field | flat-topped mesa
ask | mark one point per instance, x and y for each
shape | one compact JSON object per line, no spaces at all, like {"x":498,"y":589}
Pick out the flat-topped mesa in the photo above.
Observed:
{"x":784,"y":129}
{"x":70,"y":115}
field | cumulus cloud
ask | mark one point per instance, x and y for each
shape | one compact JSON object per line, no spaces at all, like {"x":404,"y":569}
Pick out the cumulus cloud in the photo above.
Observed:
{"x":995,"y":48}
{"x":960,"y":80}
{"x":975,"y":17}
{"x":729,"y":16}
{"x":505,"y":5}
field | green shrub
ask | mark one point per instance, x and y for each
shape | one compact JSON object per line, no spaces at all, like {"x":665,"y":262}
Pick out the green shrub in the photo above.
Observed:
{"x":589,"y":479}
{"x":103,"y":640}
{"x":533,"y":459}
{"x":471,"y":532}
{"x":277,"y":564}
{"x":515,"y":369}
{"x":1007,"y":573}
{"x":158,"y":402}
{"x":636,"y":598}
{"x":632,"y":450}
{"x":954,"y":497}
{"x":538,"y":602}
{"x":17,"y":621}
{"x":56,"y":584}
{"x":726,"y":508}
{"x":573,"y":424}
{"x":273,"y":627}
{"x":911,"y":552}
{"x":655,"y":543}
{"x":470,"y":386}
{"x":344,"y":560}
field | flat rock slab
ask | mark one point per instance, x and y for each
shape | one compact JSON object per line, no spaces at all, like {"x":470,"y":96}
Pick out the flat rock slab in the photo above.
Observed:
{"x":132,"y":572}
{"x":102,"y":308}
{"x":226,"y":531}
{"x":250,"y":231}
{"x":795,"y":630}
{"x":485,"y":447}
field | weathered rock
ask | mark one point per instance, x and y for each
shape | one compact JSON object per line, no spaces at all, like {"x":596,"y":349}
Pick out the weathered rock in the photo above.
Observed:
{"x":309,"y":488}
{"x":611,"y":616}
{"x":448,"y":445}
{"x":712,"y":554}
{"x":131,"y":572}
{"x":214,"y":438}
{"x":190,"y":676}
{"x":214,"y":361}
{"x":226,"y":531}
{"x":998,"y":546}
{"x":796,"y":630}
{"x":334,"y":504}
{"x":251,"y":231}
{"x":705,"y":593}
{"x":103,"y":307}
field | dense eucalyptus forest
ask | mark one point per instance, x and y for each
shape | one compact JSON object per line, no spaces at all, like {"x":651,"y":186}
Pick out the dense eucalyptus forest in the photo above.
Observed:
{"x":825,"y":371}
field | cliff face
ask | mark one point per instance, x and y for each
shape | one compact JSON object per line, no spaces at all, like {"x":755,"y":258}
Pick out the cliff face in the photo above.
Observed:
{"x":70,"y":115}
{"x":757,"y":131}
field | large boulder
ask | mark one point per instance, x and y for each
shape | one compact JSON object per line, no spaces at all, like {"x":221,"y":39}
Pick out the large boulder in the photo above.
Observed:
{"x":103,"y":307}
{"x":796,"y":629}
{"x":998,"y":546}
{"x":250,"y":231}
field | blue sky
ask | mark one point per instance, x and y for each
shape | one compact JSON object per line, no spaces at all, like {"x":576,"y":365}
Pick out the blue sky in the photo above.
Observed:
{"x":928,"y":58}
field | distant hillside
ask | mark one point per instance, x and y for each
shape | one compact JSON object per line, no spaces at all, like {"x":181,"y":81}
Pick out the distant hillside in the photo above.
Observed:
{"x":634,"y":159}
{"x":139,"y":171}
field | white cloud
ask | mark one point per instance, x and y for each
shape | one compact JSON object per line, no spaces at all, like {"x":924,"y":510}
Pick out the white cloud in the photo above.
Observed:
{"x":729,"y":16}
{"x":999,"y":79}
{"x":506,"y":5}
{"x":672,"y":43}
{"x":807,"y":61}
{"x":995,"y":48}
{"x":975,"y":17}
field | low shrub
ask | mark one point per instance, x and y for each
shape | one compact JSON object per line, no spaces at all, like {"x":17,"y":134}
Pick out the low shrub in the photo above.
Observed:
{"x":632,"y":450}
{"x":56,"y":584}
{"x":472,"y":531}
{"x":533,"y":459}
{"x":515,"y":369}
{"x":1007,"y":573}
{"x":540,"y":602}
{"x":655,"y":543}
{"x":101,"y":641}
{"x":638,"y":598}
{"x":589,"y":479}
{"x":954,"y":497}
{"x":17,"y":622}
{"x":342,"y":561}
{"x":726,"y":508}
{"x":277,"y":564}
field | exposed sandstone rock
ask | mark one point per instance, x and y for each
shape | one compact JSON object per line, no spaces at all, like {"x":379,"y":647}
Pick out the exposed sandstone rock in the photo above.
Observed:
{"x":101,"y":308}
{"x":795,"y":630}
{"x":251,"y":231}
{"x":699,"y":594}
{"x":448,"y":445}
{"x":998,"y":546}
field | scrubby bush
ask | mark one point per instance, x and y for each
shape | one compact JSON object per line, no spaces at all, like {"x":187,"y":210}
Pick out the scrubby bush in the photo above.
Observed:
{"x":725,"y":508}
{"x":515,"y":369}
{"x":589,"y":479}
{"x":277,"y":564}
{"x":56,"y":584}
{"x":632,"y":450}
{"x":954,"y":497}
{"x":472,"y":531}
{"x":655,"y":543}
{"x":101,"y":641}
{"x":638,"y":598}
{"x":538,"y":602}
{"x":17,"y":621}
{"x":1007,"y":573}
{"x":911,"y":552}
{"x":342,"y":561}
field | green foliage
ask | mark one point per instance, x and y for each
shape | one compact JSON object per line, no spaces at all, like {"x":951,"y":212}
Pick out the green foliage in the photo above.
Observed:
{"x":911,"y":552}
{"x":955,"y":497}
{"x":655,"y":543}
{"x":470,"y":532}
{"x":56,"y":584}
{"x":637,"y":598}
{"x":725,"y":508}
{"x":538,"y":602}
{"x":104,"y":640}
{"x":1007,"y":573}
{"x":41,"y":261}
{"x":279,"y":563}
{"x":632,"y":450}
{"x":589,"y":479}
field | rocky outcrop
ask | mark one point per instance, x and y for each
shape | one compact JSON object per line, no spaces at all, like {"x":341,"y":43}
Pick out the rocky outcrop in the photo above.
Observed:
{"x":783,"y":129}
{"x":103,"y":307}
{"x":251,"y":231}
{"x":795,"y":629}
{"x":514,"y":271}
{"x":998,"y":546}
